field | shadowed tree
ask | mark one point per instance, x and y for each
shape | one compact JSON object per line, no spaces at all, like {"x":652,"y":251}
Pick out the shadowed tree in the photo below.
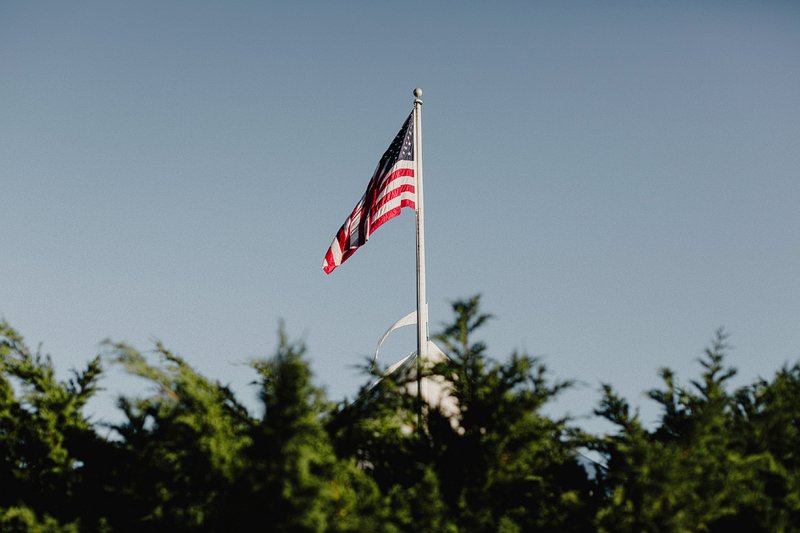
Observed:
{"x":45,"y":440}
{"x":189,"y":456}
{"x":197,"y":460}
{"x":689,"y":474}
{"x":504,"y":465}
{"x":496,"y":464}
{"x":295,"y":481}
{"x":183,"y":446}
{"x":766,"y":427}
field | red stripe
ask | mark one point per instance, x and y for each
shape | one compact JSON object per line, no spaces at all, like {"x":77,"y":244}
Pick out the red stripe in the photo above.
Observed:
{"x":399,"y":173}
{"x":391,"y":195}
{"x":391,"y":214}
{"x":344,"y":235}
{"x":328,"y":268}
{"x":385,"y":181}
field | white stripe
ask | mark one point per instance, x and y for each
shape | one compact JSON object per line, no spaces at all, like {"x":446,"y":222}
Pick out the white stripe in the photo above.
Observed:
{"x":403,"y":163}
{"x":397,"y":166}
{"x":336,"y":251}
{"x":398,"y":182}
{"x":394,"y":203}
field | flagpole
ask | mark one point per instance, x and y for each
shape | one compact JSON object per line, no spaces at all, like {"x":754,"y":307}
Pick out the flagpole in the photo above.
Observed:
{"x":422,"y":302}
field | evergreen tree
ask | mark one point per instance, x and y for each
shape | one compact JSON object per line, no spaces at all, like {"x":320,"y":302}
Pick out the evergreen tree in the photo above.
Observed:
{"x":504,"y":465}
{"x":295,"y":481}
{"x":181,"y":450}
{"x":766,"y":428}
{"x":45,"y":440}
{"x":690,"y":473}
{"x":190,"y":457}
{"x":498,"y":464}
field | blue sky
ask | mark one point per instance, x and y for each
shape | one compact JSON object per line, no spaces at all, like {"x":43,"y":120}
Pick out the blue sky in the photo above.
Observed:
{"x":617,"y":180}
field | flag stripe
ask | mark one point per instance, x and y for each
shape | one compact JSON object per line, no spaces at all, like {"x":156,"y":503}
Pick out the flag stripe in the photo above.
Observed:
{"x":392,"y":213}
{"x":393,"y":199}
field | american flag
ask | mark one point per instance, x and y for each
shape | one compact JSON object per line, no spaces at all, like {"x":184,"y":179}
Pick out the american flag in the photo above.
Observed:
{"x":390,"y":189}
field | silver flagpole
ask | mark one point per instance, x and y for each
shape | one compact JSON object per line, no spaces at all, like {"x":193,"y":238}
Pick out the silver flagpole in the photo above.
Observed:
{"x":422,"y":301}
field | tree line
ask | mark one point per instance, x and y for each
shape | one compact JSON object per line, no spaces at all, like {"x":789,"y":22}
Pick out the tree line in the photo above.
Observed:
{"x":192,"y":457}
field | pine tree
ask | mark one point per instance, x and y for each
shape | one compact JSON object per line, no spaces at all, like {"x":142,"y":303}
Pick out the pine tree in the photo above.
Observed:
{"x":690,"y":473}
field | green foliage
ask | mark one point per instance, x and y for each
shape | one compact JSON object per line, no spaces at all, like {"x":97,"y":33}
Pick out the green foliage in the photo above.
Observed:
{"x":418,"y":505}
{"x":45,"y":441}
{"x":704,"y":468}
{"x":766,"y":427}
{"x":188,"y":456}
{"x":504,"y":464}
{"x":24,"y":520}
{"x":182,"y":448}
{"x":496,"y":464}
{"x":193,"y":458}
{"x":295,"y":481}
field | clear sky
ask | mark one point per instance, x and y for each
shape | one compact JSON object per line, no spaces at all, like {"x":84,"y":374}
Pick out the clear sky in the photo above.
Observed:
{"x":617,"y":179}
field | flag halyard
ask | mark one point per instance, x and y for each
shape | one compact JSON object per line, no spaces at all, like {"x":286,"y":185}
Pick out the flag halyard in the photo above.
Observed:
{"x":391,"y":188}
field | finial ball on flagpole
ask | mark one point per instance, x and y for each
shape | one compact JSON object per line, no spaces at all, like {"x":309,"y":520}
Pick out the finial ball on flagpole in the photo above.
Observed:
{"x":418,"y":92}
